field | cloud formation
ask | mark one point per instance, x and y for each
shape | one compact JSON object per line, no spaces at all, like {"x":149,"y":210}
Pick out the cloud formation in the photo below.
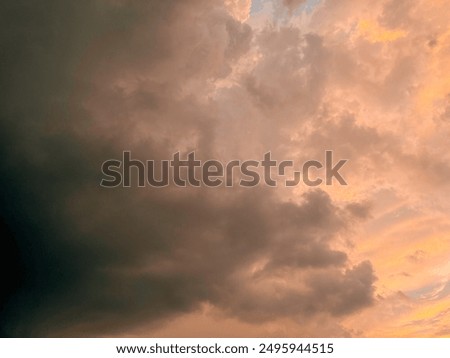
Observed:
{"x":86,"y":80}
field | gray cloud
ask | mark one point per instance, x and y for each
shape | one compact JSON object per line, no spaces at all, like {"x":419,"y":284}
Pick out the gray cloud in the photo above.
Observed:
{"x":292,"y":4}
{"x":88,"y":79}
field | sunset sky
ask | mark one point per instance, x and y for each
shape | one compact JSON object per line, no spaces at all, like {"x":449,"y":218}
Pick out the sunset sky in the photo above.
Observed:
{"x":84,"y":80}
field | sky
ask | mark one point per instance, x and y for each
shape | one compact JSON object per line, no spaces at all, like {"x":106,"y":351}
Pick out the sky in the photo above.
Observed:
{"x":83,"y":81}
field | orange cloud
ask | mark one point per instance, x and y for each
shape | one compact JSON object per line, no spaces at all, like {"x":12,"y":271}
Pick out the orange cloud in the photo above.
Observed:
{"x":376,"y":33}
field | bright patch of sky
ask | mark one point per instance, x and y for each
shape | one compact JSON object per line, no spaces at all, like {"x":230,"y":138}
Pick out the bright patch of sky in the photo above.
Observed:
{"x":308,"y":6}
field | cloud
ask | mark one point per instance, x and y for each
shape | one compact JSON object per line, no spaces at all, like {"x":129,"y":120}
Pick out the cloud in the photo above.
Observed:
{"x":86,"y":80}
{"x":90,"y":79}
{"x":240,"y":9}
{"x":292,"y":4}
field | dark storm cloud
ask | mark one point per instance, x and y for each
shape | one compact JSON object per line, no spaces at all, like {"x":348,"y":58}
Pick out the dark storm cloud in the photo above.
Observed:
{"x":82,"y":80}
